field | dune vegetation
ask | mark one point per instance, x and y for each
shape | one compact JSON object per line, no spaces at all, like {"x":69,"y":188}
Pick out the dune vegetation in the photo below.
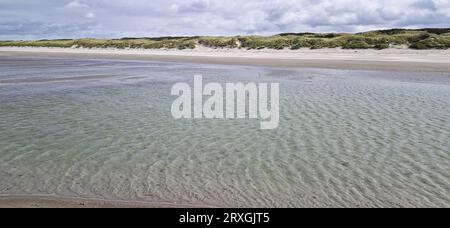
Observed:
{"x":381,"y":39}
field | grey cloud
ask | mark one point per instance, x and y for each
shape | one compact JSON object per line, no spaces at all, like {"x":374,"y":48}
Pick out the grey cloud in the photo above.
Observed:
{"x":37,"y":19}
{"x":425,"y":4}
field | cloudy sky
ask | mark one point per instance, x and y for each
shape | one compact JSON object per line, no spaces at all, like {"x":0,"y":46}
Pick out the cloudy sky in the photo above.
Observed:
{"x":37,"y":19}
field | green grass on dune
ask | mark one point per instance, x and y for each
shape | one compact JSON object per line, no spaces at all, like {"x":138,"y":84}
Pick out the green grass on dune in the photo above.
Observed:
{"x":381,"y":39}
{"x":219,"y":42}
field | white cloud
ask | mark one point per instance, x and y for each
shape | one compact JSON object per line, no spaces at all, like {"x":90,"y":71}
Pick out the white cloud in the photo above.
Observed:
{"x":76,"y":5}
{"x":90,"y":15}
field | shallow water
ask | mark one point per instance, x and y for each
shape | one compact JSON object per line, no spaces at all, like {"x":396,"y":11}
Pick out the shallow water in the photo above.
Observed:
{"x":103,"y":130}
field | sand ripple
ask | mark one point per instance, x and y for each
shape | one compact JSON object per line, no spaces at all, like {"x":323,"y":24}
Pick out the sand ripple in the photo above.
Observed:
{"x":346,"y":139}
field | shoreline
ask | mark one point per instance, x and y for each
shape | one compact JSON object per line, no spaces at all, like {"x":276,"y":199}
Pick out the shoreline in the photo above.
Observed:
{"x":24,"y":201}
{"x":388,"y":59}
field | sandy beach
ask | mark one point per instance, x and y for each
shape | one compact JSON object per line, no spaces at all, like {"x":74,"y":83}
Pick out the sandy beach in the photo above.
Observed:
{"x":389,"y":59}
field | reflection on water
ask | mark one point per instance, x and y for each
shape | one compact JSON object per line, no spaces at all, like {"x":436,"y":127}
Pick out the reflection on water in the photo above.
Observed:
{"x":103,"y":130}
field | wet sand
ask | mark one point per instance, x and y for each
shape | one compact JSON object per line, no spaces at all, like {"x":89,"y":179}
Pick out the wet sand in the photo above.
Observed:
{"x":57,"y":202}
{"x":389,"y":59}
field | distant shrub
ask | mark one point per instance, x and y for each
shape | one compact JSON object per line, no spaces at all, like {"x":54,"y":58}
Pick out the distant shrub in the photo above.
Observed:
{"x":417,"y":38}
{"x":432,"y":43}
{"x":296,"y":47}
{"x":356,"y":45}
{"x":188,"y":44}
{"x":92,"y":43}
{"x":391,"y":32}
{"x":437,"y":31}
{"x":381,"y":46}
{"x":153,"y":45}
{"x":327,"y":35}
{"x":276,"y":42}
{"x":219,"y":42}
{"x":297,"y":34}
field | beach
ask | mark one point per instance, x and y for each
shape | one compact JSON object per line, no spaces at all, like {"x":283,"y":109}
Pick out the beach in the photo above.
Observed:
{"x":92,"y":128}
{"x":59,"y":202}
{"x":400,"y":59}
{"x":49,"y":202}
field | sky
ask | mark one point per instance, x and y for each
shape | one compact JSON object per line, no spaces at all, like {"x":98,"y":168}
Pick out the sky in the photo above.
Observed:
{"x":51,"y":19}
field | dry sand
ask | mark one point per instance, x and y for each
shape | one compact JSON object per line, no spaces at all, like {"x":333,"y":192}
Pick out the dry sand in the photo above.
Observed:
{"x":389,"y":59}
